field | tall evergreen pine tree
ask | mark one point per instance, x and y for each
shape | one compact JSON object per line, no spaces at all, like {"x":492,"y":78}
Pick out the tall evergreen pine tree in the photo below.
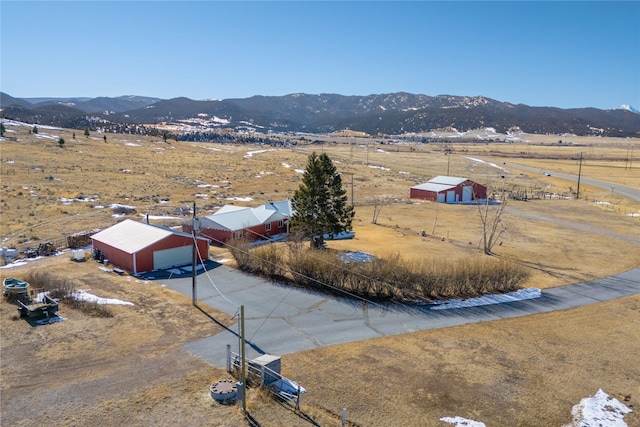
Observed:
{"x":320,"y":204}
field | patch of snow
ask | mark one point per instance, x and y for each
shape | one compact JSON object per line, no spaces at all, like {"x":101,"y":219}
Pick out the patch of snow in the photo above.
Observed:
{"x":628,"y":108}
{"x":118,"y":205}
{"x":300,"y":171}
{"x":520,"y":295}
{"x":45,"y":136}
{"x":251,"y":153}
{"x":379,"y":167}
{"x":131,"y":144}
{"x":158,"y":216}
{"x":462,"y":422}
{"x":599,"y":410}
{"x":286,"y":165}
{"x":85,"y":296}
{"x":473,"y":159}
{"x":239,"y":199}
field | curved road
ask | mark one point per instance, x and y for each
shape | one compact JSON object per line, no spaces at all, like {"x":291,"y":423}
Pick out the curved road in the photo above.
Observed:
{"x":282,"y":319}
{"x":629,"y":192}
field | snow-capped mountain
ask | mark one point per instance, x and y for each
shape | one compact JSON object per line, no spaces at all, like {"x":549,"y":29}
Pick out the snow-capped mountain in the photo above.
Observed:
{"x":628,"y":108}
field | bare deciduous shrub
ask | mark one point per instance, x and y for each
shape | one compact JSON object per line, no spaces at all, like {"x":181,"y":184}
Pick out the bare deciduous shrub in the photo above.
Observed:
{"x":389,"y":278}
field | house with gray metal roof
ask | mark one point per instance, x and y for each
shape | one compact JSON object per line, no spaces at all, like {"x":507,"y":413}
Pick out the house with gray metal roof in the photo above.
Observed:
{"x":237,"y":222}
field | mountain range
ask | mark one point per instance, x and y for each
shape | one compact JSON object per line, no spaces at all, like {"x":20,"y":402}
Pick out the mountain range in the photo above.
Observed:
{"x":383,"y":114}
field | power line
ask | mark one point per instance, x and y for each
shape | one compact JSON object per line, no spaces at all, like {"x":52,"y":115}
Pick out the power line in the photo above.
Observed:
{"x":338,"y":266}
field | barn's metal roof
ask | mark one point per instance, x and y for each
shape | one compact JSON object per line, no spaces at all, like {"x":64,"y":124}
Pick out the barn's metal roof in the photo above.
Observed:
{"x":132,"y":236}
{"x":440,"y":183}
{"x":447,"y":180}
{"x":436,"y":188}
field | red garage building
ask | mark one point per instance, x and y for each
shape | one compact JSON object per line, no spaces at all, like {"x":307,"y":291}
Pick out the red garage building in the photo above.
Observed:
{"x":138,"y":247}
{"x":449,"y":189}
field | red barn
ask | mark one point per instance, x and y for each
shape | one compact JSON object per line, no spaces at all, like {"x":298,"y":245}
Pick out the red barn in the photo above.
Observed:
{"x":138,"y":247}
{"x":237,"y":222}
{"x":449,"y":189}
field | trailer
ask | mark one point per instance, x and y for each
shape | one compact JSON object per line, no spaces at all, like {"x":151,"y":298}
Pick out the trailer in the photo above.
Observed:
{"x":48,"y":307}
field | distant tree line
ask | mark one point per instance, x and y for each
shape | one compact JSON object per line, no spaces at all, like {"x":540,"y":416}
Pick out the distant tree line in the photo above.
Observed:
{"x":228,"y":137}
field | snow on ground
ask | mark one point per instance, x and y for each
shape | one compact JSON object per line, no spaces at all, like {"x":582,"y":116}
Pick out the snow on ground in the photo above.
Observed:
{"x":158,"y":216}
{"x":85,"y":296}
{"x":520,"y":295}
{"x":239,"y":199}
{"x":29,"y":125}
{"x":599,"y":410}
{"x":46,"y":136}
{"x":462,"y":422}
{"x":473,"y":159}
{"x":131,"y":144}
{"x":121,"y":206}
{"x":251,"y":153}
{"x":379,"y":167}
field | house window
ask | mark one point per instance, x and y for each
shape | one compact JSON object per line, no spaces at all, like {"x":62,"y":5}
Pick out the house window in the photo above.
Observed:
{"x":267,"y":226}
{"x":280,"y":223}
{"x":238,"y":235}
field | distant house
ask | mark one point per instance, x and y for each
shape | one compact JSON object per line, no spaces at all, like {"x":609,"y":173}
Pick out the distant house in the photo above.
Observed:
{"x":449,"y":189}
{"x":232,"y":222}
{"x":138,"y":247}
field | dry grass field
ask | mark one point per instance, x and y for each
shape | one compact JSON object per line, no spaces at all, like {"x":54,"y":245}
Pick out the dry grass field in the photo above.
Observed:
{"x":130,"y":368}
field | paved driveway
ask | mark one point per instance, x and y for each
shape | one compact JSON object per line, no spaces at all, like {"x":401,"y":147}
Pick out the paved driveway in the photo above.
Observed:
{"x":282,"y":319}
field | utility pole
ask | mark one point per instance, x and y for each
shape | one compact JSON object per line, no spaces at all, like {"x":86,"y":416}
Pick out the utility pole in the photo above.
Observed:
{"x":579,"y":175}
{"x":194,"y":294}
{"x":242,"y":368}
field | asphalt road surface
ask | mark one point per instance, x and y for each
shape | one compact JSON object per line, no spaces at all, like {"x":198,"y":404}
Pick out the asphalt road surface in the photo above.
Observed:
{"x":282,"y":319}
{"x":629,"y":192}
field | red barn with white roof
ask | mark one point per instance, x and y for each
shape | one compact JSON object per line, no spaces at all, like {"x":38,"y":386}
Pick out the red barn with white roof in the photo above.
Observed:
{"x":449,"y":189}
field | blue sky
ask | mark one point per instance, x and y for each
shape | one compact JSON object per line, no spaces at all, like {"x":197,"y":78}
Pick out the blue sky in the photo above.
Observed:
{"x":561,"y":54}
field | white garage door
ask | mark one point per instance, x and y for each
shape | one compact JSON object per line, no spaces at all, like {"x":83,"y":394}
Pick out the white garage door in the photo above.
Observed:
{"x":174,"y":257}
{"x":467,"y":193}
{"x":451,"y":196}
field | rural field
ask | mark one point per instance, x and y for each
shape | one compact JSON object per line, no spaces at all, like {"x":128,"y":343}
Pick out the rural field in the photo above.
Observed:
{"x":130,"y":368}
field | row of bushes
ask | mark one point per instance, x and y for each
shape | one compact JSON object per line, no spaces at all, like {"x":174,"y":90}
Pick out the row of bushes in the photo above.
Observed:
{"x":63,"y":289}
{"x":380,"y":279}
